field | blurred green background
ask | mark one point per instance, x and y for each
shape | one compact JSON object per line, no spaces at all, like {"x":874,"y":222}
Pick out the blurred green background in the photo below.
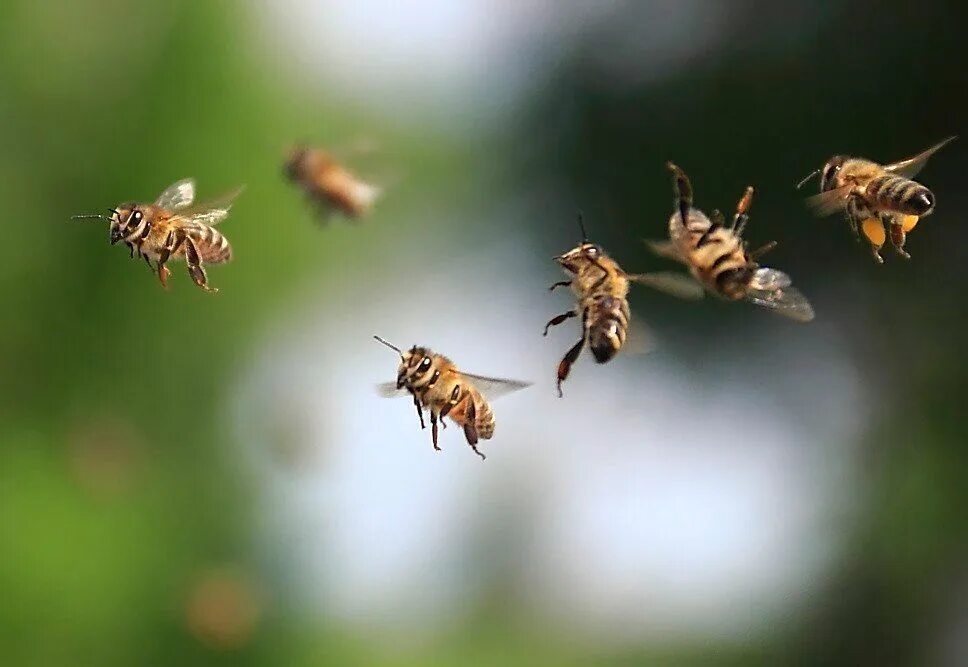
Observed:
{"x":134,"y":526}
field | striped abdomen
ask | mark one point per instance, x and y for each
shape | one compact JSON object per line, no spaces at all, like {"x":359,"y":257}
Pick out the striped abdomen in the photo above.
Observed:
{"x":896,"y":194}
{"x":474,"y":411}
{"x":606,"y":325}
{"x":717,"y":258}
{"x":212,"y":245}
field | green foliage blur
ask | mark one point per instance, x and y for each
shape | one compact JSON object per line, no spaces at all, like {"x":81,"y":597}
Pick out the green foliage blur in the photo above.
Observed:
{"x":124,"y":513}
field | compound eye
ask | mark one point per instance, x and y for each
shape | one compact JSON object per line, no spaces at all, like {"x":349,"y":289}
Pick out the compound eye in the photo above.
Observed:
{"x":424,"y":365}
{"x":135,"y":218}
{"x":592,"y":251}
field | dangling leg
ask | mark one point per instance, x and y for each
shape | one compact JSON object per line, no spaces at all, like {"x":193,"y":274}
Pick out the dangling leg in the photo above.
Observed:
{"x":563,"y":283}
{"x":564,"y":367}
{"x":740,"y":218}
{"x":195,"y":268}
{"x":433,"y":428}
{"x":683,"y":189}
{"x":762,"y":250}
{"x":873,"y":229}
{"x":898,"y":238}
{"x":416,"y":403}
{"x":852,"y":214}
{"x":170,"y":246}
{"x":555,"y":321}
{"x":470,"y":428}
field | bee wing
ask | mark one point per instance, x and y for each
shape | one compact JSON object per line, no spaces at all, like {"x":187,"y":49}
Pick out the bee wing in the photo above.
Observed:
{"x":665,"y":248}
{"x":178,"y":195}
{"x":389,"y":390}
{"x":495,"y":387}
{"x":767,"y":280}
{"x":909,"y":168}
{"x":215,"y":211}
{"x":675,"y":284}
{"x":830,"y":201}
{"x":787,"y":301}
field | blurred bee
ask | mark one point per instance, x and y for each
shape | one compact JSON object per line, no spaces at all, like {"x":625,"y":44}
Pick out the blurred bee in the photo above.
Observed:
{"x":601,"y":288}
{"x":331,"y":185}
{"x":173,"y":228}
{"x":875,"y":196}
{"x":436,"y":384}
{"x":717,"y":257}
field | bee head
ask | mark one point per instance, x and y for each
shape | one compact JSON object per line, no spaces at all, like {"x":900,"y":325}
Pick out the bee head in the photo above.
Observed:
{"x":125,"y":220}
{"x":414,"y":364}
{"x":831,"y":170}
{"x":579,"y":256}
{"x":294,"y":161}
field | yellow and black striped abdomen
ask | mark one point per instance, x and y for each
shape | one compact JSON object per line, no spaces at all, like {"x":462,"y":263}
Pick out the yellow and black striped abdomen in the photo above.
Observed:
{"x":606,"y":324}
{"x":718,"y":260}
{"x":212,"y":245}
{"x":896,"y":194}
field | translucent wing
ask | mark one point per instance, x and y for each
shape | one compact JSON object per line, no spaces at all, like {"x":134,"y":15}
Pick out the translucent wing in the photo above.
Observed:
{"x":830,"y":201}
{"x":768,"y":280}
{"x":787,"y":301}
{"x":389,"y":390}
{"x":215,"y":211}
{"x":495,"y":387}
{"x":675,"y":284}
{"x":666,"y":249}
{"x":909,"y":168}
{"x":178,"y":195}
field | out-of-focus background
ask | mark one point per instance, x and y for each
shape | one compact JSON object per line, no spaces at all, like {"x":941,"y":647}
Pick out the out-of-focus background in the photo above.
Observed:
{"x":193,"y":479}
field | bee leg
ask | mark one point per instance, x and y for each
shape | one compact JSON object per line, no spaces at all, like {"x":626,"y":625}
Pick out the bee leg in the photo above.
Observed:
{"x":873,"y":229}
{"x":683,"y":189}
{"x":563,"y":283}
{"x":762,"y":250}
{"x":565,"y":365}
{"x":898,"y":238}
{"x":555,"y":321}
{"x":451,"y":403}
{"x":852,"y":223}
{"x":195,"y":268}
{"x":147,"y":261}
{"x":433,"y":429}
{"x":416,"y":402}
{"x":170,"y":246}
{"x":470,"y":429}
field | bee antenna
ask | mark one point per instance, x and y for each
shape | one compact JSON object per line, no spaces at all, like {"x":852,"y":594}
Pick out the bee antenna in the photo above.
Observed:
{"x":390,"y":345}
{"x":581,"y":226}
{"x":815,"y":172}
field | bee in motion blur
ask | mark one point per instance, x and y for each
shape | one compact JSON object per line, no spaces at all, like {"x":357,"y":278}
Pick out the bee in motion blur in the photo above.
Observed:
{"x":329,"y":184}
{"x":601,"y":288}
{"x":875,"y":196}
{"x":717,"y":256}
{"x":172,"y":228}
{"x":435,"y":383}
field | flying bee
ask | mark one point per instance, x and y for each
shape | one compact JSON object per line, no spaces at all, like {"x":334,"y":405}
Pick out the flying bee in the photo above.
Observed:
{"x":601,"y":288}
{"x":171,"y":228}
{"x":717,"y":256}
{"x":435,"y":383}
{"x":331,"y":185}
{"x":875,"y":196}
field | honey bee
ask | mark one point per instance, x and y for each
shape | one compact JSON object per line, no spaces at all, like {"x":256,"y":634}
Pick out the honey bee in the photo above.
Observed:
{"x":717,"y":256}
{"x":331,"y":185}
{"x":601,"y":288}
{"x":876,"y":196}
{"x":435,"y":383}
{"x":173,"y":228}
